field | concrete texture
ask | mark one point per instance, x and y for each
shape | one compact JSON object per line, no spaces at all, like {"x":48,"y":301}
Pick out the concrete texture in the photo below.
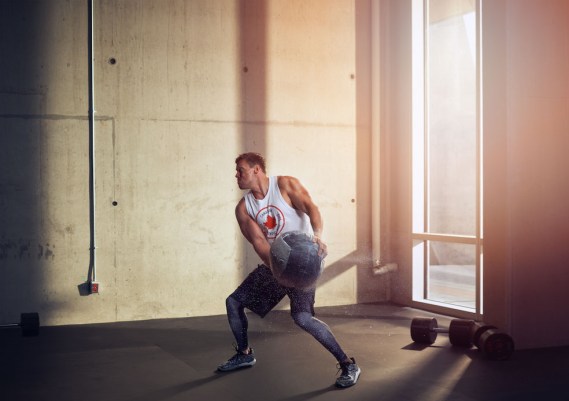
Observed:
{"x":175,"y":359}
{"x":192,"y":84}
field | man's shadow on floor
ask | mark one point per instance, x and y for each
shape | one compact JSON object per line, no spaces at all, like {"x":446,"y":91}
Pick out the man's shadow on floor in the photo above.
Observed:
{"x":170,"y":392}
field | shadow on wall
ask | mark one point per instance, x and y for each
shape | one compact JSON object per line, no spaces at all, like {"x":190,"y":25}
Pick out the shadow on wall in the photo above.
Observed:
{"x":253,"y":90}
{"x":24,"y":251}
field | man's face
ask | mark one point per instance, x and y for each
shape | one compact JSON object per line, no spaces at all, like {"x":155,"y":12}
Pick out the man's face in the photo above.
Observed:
{"x":245,"y":175}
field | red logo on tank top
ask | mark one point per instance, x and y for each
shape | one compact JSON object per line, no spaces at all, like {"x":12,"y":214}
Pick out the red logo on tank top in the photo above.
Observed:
{"x":271,"y":220}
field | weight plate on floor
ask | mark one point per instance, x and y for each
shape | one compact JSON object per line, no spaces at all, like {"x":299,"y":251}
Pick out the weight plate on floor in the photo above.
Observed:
{"x":423,"y":330}
{"x":460,"y":332}
{"x":478,"y":329}
{"x":496,"y":345}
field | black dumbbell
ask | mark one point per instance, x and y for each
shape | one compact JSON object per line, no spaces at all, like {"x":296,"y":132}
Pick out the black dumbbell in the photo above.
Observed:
{"x":493,"y":343}
{"x":29,"y":323}
{"x":424,"y":330}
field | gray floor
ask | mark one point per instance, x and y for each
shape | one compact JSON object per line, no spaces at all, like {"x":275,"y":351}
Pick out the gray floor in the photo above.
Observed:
{"x":175,"y":359}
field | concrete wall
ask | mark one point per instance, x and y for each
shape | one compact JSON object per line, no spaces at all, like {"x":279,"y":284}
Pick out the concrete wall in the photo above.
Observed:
{"x":526,"y":134}
{"x":193,"y":84}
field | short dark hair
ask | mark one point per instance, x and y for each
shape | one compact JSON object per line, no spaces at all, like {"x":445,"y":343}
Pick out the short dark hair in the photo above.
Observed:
{"x":252,"y":159}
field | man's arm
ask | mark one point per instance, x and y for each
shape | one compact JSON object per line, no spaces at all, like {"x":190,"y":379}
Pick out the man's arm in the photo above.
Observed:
{"x":253,"y":233}
{"x":295,"y":193}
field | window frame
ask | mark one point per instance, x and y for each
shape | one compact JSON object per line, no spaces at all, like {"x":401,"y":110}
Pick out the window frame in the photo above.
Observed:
{"x":419,"y":214}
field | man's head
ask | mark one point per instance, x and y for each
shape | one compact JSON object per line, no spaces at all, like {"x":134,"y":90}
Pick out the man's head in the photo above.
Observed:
{"x":249,"y":166}
{"x":252,"y":159}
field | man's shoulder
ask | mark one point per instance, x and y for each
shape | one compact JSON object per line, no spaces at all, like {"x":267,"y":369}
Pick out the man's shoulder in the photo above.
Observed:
{"x":286,"y":180}
{"x":240,"y":203}
{"x":241,"y":209}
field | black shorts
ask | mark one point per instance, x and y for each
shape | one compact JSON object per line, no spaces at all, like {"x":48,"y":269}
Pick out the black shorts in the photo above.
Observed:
{"x":260,"y":293}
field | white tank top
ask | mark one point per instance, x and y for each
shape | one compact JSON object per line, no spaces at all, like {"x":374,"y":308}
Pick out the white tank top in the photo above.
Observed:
{"x":274,"y":215}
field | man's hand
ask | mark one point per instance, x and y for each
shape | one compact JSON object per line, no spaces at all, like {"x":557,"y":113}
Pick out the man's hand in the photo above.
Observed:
{"x":322,"y":247}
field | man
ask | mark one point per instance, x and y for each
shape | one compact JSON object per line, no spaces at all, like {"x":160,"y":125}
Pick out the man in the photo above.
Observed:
{"x":272,"y":206}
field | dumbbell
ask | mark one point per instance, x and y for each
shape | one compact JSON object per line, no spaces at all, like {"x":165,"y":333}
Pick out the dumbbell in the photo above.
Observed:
{"x":29,"y":323}
{"x":424,"y":330}
{"x":493,"y":343}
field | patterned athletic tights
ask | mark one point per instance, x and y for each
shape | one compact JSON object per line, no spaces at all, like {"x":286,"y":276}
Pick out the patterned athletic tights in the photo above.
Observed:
{"x":317,"y":328}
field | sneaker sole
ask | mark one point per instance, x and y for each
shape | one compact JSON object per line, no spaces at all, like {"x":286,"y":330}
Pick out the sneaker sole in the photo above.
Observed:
{"x":340,"y":385}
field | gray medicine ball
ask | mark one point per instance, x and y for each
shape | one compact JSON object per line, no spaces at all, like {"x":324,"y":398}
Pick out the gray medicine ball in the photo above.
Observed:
{"x":295,"y":261}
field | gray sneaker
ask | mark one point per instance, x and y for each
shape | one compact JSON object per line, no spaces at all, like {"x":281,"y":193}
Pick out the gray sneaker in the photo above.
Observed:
{"x":350,"y":374}
{"x":238,"y":361}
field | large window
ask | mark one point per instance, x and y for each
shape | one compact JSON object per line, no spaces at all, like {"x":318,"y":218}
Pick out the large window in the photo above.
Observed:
{"x":447,"y":232}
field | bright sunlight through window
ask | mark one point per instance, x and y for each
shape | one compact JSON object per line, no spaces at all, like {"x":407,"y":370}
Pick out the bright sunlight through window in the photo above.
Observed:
{"x":447,"y":191}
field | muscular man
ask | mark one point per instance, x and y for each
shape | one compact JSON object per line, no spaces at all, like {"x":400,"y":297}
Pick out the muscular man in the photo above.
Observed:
{"x":272,"y":206}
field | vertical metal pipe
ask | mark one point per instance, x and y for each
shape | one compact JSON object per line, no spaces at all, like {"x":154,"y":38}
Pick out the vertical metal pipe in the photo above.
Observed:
{"x":92,"y":245}
{"x":375,"y":135}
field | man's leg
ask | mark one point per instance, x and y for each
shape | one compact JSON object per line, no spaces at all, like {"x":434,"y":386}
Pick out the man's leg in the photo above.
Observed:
{"x":238,"y":323}
{"x":302,"y":311}
{"x":259,"y":292}
{"x":321,"y":332}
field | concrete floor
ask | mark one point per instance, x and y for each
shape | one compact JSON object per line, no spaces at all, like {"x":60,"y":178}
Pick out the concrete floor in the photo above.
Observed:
{"x":175,"y":359}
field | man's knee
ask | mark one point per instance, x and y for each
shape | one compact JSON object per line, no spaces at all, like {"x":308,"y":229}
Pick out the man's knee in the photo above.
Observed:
{"x":232,"y":304}
{"x":302,"y":319}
